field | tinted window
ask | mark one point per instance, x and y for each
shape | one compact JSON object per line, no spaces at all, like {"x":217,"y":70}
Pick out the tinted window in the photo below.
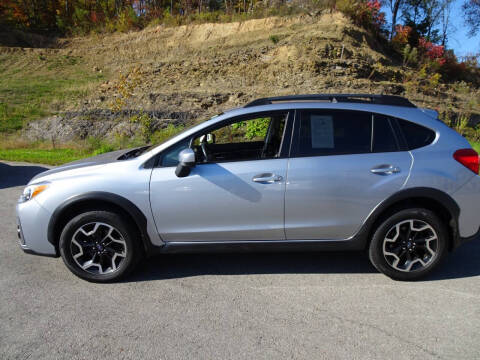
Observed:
{"x":334,"y":132}
{"x":383,"y":136}
{"x":416,"y":135}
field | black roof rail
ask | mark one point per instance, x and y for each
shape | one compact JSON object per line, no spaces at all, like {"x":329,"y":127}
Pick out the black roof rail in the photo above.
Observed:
{"x":334,"y":98}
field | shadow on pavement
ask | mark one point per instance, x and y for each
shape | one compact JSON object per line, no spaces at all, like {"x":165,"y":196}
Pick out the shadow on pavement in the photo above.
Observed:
{"x":462,"y":263}
{"x":17,"y":175}
{"x":171,"y":266}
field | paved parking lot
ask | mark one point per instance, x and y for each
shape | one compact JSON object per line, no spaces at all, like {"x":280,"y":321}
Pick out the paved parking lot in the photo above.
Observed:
{"x":249,"y":306}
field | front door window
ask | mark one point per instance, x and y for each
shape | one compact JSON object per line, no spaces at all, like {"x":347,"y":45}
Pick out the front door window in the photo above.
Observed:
{"x":254,"y":138}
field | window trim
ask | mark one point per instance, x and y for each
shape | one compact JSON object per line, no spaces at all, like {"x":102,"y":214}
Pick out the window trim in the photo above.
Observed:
{"x":284,"y":146}
{"x":402,"y":141}
{"x":396,"y":136}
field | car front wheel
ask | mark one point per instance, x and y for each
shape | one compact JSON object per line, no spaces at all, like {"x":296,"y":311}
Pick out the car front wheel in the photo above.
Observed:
{"x":409,"y":244}
{"x":99,"y":246}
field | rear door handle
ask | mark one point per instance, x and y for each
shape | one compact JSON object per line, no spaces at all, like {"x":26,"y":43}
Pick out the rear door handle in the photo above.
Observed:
{"x":267,"y":178}
{"x":385,"y":170}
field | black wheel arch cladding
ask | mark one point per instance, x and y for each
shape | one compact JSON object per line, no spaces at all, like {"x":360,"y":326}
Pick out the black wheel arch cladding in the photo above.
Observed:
{"x":442,"y":203}
{"x":94,"y":201}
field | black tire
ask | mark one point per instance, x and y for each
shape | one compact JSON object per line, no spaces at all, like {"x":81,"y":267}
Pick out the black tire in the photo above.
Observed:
{"x":124,"y":231}
{"x":376,"y":249}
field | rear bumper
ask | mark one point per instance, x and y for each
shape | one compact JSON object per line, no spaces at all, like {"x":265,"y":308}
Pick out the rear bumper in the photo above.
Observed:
{"x":468,"y":198}
{"x":474,"y":237}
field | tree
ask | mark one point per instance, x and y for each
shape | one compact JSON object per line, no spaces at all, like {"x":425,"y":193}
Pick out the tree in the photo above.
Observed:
{"x":394,"y":6}
{"x":471,"y":10}
{"x":446,"y":25}
{"x":424,"y":17}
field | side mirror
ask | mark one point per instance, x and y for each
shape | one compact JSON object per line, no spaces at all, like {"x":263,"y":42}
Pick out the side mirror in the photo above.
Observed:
{"x":186,"y":161}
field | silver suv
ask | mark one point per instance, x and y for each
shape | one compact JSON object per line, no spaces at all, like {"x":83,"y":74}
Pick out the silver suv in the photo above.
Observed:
{"x":308,"y":172}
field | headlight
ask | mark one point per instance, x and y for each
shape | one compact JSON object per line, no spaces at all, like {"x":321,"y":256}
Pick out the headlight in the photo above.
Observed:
{"x":33,"y":190}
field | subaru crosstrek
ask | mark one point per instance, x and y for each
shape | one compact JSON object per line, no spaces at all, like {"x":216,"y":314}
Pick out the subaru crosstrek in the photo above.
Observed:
{"x":305,"y":172}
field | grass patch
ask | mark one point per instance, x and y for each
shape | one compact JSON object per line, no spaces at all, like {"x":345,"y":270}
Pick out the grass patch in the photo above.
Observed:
{"x":43,"y":156}
{"x":32,"y":86}
{"x":475,"y":146}
{"x":13,"y":148}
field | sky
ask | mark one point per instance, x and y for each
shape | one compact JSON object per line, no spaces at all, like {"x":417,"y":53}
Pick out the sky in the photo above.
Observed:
{"x":458,"y":40}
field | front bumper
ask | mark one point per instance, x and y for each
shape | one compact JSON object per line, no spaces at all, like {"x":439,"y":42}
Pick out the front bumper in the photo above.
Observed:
{"x":32,"y":224}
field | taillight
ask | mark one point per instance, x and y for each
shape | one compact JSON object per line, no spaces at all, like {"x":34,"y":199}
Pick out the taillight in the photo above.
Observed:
{"x":468,"y":158}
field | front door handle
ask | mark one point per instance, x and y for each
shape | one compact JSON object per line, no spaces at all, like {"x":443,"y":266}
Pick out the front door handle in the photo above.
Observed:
{"x":385,"y":170}
{"x":267,"y":178}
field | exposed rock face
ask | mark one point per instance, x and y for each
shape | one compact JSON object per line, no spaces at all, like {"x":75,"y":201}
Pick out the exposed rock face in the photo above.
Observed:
{"x":176,"y":109}
{"x":97,"y":123}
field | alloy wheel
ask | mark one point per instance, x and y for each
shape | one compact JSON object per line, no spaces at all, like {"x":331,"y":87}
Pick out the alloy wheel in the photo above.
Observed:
{"x":98,"y":248}
{"x":410,"y":245}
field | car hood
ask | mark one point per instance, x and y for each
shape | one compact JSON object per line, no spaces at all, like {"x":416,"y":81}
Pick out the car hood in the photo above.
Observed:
{"x":101,"y":159}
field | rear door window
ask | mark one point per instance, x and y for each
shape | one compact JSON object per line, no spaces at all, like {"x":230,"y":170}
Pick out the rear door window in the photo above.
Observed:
{"x":333,"y":132}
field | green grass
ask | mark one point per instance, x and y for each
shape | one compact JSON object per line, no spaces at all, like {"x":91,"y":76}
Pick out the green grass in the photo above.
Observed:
{"x":35,"y":86}
{"x":41,"y":156}
{"x":476,"y":146}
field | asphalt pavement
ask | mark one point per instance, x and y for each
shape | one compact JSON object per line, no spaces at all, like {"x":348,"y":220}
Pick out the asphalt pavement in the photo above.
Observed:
{"x":248,"y":306}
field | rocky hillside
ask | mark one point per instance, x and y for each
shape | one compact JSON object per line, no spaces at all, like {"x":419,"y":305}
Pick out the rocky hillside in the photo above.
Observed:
{"x":187,"y":73}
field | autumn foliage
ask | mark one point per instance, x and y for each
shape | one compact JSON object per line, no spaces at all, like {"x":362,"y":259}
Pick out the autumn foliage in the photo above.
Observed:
{"x":432,"y":51}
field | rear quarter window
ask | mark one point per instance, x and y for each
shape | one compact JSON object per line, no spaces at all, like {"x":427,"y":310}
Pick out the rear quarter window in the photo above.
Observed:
{"x":416,"y":136}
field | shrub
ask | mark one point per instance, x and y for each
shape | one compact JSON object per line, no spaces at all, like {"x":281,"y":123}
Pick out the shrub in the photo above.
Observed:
{"x":145,"y":123}
{"x":366,"y":14}
{"x":451,"y":69}
{"x":166,"y":133}
{"x":274,"y":39}
{"x":81,"y":20}
{"x":98,"y":146}
{"x":104,"y":148}
{"x":432,"y":51}
{"x":125,"y":87}
{"x":410,"y":55}
{"x":127,"y":20}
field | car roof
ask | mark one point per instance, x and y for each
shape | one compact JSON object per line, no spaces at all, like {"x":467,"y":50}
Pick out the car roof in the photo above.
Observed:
{"x":378,"y":99}
{"x":407,"y":113}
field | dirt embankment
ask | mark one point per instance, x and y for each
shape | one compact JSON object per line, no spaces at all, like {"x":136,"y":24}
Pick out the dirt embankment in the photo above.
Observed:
{"x":190,"y":72}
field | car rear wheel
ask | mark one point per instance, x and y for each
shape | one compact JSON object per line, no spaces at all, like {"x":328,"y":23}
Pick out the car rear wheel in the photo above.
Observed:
{"x":409,"y":244}
{"x":99,"y":246}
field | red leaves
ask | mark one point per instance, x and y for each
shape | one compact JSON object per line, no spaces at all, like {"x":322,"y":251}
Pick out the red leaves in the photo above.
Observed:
{"x":433,"y":51}
{"x":378,"y":17}
{"x":367,"y":14}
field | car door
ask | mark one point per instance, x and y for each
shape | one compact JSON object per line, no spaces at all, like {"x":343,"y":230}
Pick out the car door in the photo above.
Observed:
{"x":343,"y":164}
{"x":236,"y":193}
